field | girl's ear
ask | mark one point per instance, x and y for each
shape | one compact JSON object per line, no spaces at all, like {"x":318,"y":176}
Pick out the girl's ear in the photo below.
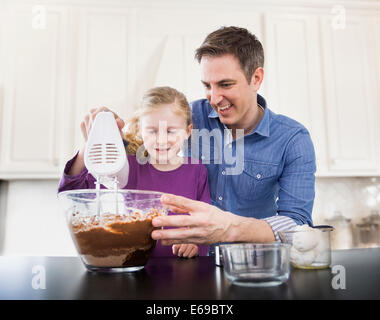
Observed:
{"x":189,"y":128}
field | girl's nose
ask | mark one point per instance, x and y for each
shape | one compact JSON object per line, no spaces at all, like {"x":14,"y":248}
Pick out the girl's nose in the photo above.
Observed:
{"x":162,"y":137}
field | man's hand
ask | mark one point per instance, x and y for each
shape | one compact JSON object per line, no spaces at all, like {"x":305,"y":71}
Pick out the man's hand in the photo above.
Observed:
{"x":205,"y":223}
{"x":185,"y":250}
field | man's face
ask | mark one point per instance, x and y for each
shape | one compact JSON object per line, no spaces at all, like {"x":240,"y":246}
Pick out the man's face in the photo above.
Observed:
{"x":228,"y":91}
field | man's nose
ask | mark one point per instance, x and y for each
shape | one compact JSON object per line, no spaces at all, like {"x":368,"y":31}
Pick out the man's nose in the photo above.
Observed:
{"x":215,"y":97}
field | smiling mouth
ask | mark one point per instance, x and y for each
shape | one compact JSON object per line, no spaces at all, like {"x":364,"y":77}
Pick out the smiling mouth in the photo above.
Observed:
{"x":225,"y":107}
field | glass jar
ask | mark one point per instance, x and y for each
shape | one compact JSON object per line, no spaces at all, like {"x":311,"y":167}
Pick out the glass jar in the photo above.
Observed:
{"x":367,"y":233}
{"x":342,"y":237}
{"x":311,"y":246}
{"x":375,"y":216}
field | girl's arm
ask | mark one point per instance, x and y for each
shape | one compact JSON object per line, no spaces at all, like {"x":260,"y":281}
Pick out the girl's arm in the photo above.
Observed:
{"x":78,"y":164}
{"x":73,"y":179}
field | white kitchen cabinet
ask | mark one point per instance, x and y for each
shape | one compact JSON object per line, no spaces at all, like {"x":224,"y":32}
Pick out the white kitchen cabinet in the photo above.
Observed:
{"x":322,"y":77}
{"x":105,"y":62}
{"x":167,"y":41}
{"x":35,"y":60}
{"x":352,"y":102}
{"x":293,"y":75}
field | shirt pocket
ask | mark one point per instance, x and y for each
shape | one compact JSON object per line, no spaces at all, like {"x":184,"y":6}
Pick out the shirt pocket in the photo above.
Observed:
{"x":256,"y":180}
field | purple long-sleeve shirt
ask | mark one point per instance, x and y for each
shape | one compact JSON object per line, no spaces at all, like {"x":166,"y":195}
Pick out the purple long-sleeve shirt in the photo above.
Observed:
{"x":189,"y":180}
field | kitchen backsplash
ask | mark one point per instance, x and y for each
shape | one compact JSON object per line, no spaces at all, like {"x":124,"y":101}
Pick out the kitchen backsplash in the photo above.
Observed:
{"x":354,"y":198}
{"x":32,"y":222}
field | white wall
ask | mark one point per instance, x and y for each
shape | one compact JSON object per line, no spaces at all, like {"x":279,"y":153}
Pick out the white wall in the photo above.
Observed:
{"x":34,"y":221}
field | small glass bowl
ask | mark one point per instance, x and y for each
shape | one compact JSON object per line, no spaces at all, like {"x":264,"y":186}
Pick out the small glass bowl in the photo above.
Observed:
{"x":112,"y":229}
{"x":310,"y":248}
{"x":256,"y":264}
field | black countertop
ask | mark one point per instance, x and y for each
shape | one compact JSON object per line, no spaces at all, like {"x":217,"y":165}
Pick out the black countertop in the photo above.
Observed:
{"x":174,"y":278}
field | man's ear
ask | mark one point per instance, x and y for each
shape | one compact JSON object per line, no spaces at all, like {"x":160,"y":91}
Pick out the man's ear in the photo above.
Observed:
{"x":257,"y":79}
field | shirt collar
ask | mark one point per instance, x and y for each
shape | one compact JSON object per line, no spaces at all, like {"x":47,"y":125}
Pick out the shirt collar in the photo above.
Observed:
{"x":263,"y":126}
{"x":213,"y":113}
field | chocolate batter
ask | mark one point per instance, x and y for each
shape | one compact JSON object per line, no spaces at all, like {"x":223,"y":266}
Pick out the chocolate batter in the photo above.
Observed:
{"x":114,"y":240}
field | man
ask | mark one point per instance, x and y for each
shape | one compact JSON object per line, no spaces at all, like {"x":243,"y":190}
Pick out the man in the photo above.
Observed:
{"x":275,"y":191}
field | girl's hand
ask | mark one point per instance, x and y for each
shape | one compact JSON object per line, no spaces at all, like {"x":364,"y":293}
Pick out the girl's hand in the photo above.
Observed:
{"x":185,"y":250}
{"x":86,"y":124}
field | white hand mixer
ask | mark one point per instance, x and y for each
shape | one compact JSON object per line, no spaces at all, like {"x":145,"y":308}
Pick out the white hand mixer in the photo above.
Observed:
{"x":105,"y":156}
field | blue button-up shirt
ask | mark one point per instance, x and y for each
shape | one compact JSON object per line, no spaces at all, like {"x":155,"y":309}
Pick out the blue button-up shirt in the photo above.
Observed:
{"x":277,"y":178}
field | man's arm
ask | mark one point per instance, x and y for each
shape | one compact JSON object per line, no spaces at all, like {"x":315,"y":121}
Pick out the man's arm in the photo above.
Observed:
{"x":297,"y":181}
{"x":297,"y":185}
{"x":280,"y":223}
{"x":249,"y":230}
{"x":207,"y":224}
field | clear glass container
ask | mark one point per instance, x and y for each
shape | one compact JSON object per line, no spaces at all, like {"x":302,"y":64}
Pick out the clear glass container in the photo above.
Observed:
{"x":375,"y":216}
{"x":342,"y":237}
{"x":256,"y":264}
{"x":367,"y":233}
{"x":112,"y":229}
{"x":310,"y":247}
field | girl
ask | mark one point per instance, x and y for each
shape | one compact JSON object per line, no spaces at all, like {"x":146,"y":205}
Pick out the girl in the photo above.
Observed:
{"x":155,"y":136}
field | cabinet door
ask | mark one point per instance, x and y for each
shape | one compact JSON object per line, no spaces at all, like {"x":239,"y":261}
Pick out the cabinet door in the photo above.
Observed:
{"x":34,"y":55}
{"x":292,"y":74}
{"x":351,"y":99}
{"x":167,"y":40}
{"x":105,"y":56}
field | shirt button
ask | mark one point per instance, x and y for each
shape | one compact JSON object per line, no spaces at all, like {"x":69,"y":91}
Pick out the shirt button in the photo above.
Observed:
{"x":230,"y":145}
{"x":258,"y":176}
{"x":223,"y":172}
{"x":220,"y":198}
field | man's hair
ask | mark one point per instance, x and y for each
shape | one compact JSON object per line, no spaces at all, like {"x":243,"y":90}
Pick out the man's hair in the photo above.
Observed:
{"x":238,"y":42}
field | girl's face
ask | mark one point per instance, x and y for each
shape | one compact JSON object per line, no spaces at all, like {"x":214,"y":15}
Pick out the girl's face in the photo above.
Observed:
{"x":163,"y":132}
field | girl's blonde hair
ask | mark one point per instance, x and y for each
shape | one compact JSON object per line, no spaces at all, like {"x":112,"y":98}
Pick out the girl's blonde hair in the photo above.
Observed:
{"x":152,"y":100}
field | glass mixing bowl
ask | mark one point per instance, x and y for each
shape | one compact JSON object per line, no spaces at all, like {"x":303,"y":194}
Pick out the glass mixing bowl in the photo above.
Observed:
{"x":112,"y":229}
{"x":256,"y":264}
{"x":311,"y":246}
